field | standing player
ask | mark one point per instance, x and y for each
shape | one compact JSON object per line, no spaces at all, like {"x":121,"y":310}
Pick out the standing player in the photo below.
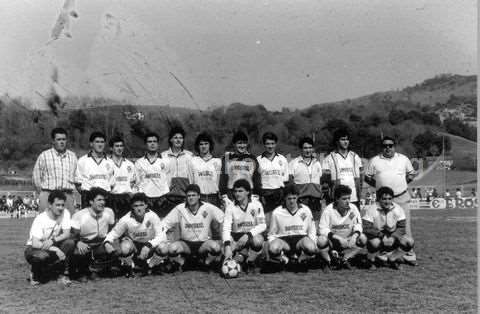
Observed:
{"x":194,"y":218}
{"x":152,"y":176}
{"x":243,"y":226}
{"x":395,"y":171}
{"x":178,"y":159}
{"x":343,"y":166}
{"x":90,"y":226}
{"x":49,"y":245}
{"x":292,"y":232}
{"x":306,"y":171}
{"x":340,"y":229}
{"x":94,"y":169}
{"x":204,"y":170}
{"x":141,"y":235}
{"x":123,"y":178}
{"x":239,"y":165}
{"x":384,"y":227}
{"x":273,"y":169}
{"x":55,"y":170}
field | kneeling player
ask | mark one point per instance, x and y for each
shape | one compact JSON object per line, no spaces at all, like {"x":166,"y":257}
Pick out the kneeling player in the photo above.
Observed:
{"x":194,"y":218}
{"x":340,"y":230}
{"x":292,"y":231}
{"x":90,"y":226}
{"x":243,"y":225}
{"x":49,"y":246}
{"x":141,"y":235}
{"x":384,"y":227}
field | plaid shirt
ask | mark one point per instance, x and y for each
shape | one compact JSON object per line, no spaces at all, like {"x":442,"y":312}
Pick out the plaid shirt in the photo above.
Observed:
{"x":54,"y":170}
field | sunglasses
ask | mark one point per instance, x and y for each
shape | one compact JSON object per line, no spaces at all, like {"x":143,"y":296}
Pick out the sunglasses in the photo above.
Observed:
{"x":388,"y":145}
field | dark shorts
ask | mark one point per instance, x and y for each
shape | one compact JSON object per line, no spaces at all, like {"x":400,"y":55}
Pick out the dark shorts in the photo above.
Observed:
{"x":271,"y":199}
{"x":292,"y":241}
{"x":194,"y":246}
{"x":120,"y":204}
{"x":237,"y":235}
{"x":213,"y":199}
{"x":315,"y":205}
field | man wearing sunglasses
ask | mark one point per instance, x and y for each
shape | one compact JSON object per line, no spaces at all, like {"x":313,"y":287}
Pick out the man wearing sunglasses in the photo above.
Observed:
{"x":395,"y":171}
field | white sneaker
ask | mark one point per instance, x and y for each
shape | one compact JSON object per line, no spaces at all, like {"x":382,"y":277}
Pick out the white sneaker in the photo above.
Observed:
{"x":64,"y":280}
{"x":410,"y":258}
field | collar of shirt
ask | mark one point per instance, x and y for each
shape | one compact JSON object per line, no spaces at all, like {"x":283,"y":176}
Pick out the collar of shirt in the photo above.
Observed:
{"x":121,"y":161}
{"x":239,"y":155}
{"x":102,"y":158}
{"x":388,"y":158}
{"x":170,"y":153}
{"x":264,"y":155}
{"x":135,"y":217}
{"x":94,"y":214}
{"x":157,"y":156}
{"x":200,"y":204}
{"x":337,"y":152}
{"x":59,"y":154}
{"x":385,"y":210}
{"x":312,"y":160}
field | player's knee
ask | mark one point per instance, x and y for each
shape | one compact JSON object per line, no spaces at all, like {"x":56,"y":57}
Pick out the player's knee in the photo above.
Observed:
{"x":174,"y":249}
{"x":389,"y":242}
{"x":406,"y":243}
{"x":68,"y":246}
{"x":40,"y":257}
{"x":374,"y":244}
{"x":361,"y":240}
{"x":126,"y":248}
{"x":308,"y":246}
{"x":212,"y":247}
{"x":162,"y":249}
{"x":257,"y":243}
{"x":275,"y":247}
{"x":322,"y":242}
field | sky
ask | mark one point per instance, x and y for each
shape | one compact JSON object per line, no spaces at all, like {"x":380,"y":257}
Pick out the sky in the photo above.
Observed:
{"x":211,"y":53}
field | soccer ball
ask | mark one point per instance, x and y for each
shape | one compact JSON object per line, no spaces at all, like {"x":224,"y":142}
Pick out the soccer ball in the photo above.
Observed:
{"x":230,"y":269}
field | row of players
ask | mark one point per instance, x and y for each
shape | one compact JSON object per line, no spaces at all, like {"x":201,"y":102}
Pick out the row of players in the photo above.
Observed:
{"x":91,"y":242}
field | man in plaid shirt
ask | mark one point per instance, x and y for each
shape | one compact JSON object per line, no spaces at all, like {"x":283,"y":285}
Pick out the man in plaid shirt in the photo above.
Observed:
{"x":55,"y":170}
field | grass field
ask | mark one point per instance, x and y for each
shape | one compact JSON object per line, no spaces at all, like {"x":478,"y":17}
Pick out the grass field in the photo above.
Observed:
{"x":445,"y":281}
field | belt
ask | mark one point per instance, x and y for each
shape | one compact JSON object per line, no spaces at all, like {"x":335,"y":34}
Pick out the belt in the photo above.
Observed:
{"x":61,"y":190}
{"x":400,"y":194}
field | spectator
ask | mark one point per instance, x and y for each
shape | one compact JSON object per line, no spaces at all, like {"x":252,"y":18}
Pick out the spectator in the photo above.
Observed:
{"x":474,"y":193}
{"x":434,"y":193}
{"x":414,"y":193}
{"x":446,"y":194}
{"x":458,"y":193}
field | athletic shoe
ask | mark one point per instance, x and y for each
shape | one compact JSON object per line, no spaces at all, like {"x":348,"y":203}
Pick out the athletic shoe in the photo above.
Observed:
{"x":64,"y":280}
{"x":93,"y":276}
{"x":394,"y":265}
{"x":410,"y":258}
{"x":33,"y":280}
{"x":346,"y":264}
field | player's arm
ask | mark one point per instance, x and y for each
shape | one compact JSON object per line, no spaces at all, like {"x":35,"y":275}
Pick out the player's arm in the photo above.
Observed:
{"x":400,"y":230}
{"x":139,"y":176}
{"x":369,"y":228}
{"x":311,"y":230}
{"x":227,"y":226}
{"x":171,"y":219}
{"x":357,"y":223}
{"x":37,"y":175}
{"x":370,"y":173}
{"x":324,"y":224}
{"x":36,"y":234}
{"x":117,"y":231}
{"x":160,"y":234}
{"x":273,"y":231}
{"x":256,"y":177}
{"x":410,"y":173}
{"x":223,"y":182}
{"x":80,"y":177}
{"x":190,"y":175}
{"x":286,"y":172}
{"x":260,"y":224}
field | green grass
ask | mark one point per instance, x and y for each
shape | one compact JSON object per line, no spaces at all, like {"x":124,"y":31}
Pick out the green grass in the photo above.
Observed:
{"x":444,"y":282}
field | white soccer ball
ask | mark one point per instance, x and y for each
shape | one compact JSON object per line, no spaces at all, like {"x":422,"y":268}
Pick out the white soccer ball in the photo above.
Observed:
{"x":230,"y":269}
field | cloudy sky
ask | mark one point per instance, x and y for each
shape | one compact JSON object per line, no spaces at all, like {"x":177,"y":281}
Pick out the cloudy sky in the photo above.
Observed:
{"x":277,"y":53}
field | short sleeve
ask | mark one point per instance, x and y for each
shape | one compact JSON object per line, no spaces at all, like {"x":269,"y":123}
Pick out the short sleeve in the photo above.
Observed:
{"x":36,"y":231}
{"x":66,"y":220}
{"x":408,"y":166}
{"x":370,"y":171}
{"x":75,"y":222}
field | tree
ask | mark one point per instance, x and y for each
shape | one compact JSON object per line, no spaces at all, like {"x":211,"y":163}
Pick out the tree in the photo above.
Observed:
{"x":397,"y":116}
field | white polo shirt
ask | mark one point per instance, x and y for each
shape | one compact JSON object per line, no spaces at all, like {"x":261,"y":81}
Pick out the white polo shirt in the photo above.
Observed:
{"x":250,"y":219}
{"x":283,"y":223}
{"x":274,"y":172}
{"x":90,"y":173}
{"x":391,"y":172}
{"x":123,"y":177}
{"x":332,"y":221}
{"x":152,"y":176}
{"x":45,"y":228}
{"x":92,"y":226}
{"x":307,"y":176}
{"x":344,"y":168}
{"x":205,"y":173}
{"x":385,"y":220}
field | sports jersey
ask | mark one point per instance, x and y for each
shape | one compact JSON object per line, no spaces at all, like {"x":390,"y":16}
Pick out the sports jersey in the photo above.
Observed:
{"x":193,"y":227}
{"x":344,"y":226}
{"x":391,"y":172}
{"x":153,"y":176}
{"x":273,"y":172}
{"x":123,"y":177}
{"x":45,"y":228}
{"x":147,"y":230}
{"x":239,"y":166}
{"x":205,"y":173}
{"x":385,"y":221}
{"x":306,"y":176}
{"x":93,"y":227}
{"x":90,"y":173}
{"x":345,"y":169}
{"x":238,"y":220}
{"x":283,"y":223}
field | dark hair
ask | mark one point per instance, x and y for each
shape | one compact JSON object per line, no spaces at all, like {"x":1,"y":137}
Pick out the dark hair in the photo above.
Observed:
{"x":151,"y":134}
{"x":56,"y":131}
{"x":239,"y":136}
{"x":304,"y":140}
{"x":97,"y":134}
{"x":139,"y":197}
{"x":388,"y":138}
{"x":176,"y":130}
{"x":340,"y":191}
{"x":204,"y":137}
{"x":242,"y":183}
{"x":94,"y":192}
{"x":384,"y":190}
{"x":192,"y":188}
{"x":338,"y":134}
{"x":269,"y":136}
{"x":291,"y":189}
{"x":56,"y":194}
{"x":115,"y":139}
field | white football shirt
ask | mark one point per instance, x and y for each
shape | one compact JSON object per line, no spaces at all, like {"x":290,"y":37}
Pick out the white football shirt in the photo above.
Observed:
{"x":274,"y":172}
{"x":250,"y":219}
{"x":332,"y":221}
{"x":283,"y":223}
{"x":345,"y":169}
